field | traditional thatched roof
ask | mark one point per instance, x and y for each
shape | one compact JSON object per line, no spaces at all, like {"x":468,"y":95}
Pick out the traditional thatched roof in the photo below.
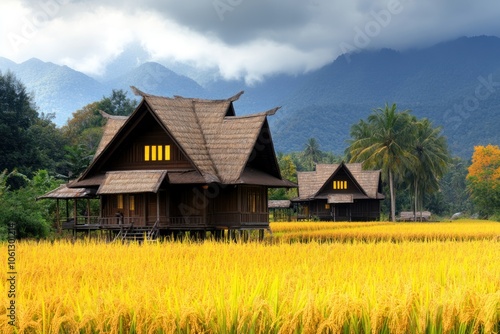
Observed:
{"x":219,"y":144}
{"x":311,"y":183}
{"x":121,"y":182}
{"x":113,"y":124}
{"x":63,"y":192}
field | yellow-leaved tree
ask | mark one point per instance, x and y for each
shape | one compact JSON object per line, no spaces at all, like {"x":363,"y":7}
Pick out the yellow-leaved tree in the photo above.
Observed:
{"x":484,"y":179}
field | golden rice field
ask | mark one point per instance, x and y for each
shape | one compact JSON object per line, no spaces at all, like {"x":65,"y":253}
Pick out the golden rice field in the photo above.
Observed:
{"x":447,"y":281}
{"x":461,"y":230}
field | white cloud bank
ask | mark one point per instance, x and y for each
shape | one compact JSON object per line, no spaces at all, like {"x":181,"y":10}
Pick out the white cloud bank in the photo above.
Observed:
{"x":247,"y":39}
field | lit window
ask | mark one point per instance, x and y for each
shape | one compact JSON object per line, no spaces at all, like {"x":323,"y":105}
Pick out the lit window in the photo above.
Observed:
{"x":327,"y":206}
{"x":131,"y":203}
{"x":156,"y":152}
{"x":119,"y":201}
{"x":160,"y":153}
{"x":153,"y":153}
{"x":167,"y":152}
{"x":339,"y":185}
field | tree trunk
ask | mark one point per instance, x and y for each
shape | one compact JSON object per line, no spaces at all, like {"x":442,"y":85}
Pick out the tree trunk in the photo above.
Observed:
{"x":393,"y":197}
{"x":416,"y":201}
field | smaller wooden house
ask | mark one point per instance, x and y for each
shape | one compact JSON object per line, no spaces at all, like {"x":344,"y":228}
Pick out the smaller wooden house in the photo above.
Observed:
{"x":339,"y":192}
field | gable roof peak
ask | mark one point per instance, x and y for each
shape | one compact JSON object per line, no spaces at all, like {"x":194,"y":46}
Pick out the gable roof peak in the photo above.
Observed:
{"x":233,"y":98}
{"x":236,"y":97}
{"x":109,"y":116}
{"x":311,"y":183}
{"x":138,"y":92}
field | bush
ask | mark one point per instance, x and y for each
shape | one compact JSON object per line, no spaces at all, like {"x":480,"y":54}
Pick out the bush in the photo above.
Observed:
{"x":32,"y":218}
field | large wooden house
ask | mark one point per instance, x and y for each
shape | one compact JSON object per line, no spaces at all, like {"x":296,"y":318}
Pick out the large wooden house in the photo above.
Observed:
{"x":178,"y":164}
{"x":339,"y":192}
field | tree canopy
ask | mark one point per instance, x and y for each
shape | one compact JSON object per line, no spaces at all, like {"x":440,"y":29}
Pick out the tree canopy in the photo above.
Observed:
{"x":29,"y":141}
{"x":403,"y":147}
{"x":484,"y":179}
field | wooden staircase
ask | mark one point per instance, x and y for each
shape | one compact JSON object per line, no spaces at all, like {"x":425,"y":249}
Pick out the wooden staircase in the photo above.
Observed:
{"x":138,"y":233}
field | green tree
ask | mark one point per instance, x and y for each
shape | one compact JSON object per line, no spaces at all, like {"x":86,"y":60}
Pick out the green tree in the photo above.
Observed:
{"x":288,"y":172}
{"x":84,"y":120}
{"x":384,"y":142}
{"x":86,"y":125}
{"x":431,"y":151}
{"x":311,"y":154}
{"x":29,"y":141}
{"x":48,"y":140}
{"x":453,"y":186}
{"x":17,"y":115}
{"x":117,"y":103}
{"x":84,"y":130}
{"x":19,"y":206}
{"x":77,"y":159}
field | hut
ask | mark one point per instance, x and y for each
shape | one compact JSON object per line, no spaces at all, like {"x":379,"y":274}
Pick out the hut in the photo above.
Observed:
{"x":180,"y":165}
{"x":339,"y":192}
{"x":280,"y":210}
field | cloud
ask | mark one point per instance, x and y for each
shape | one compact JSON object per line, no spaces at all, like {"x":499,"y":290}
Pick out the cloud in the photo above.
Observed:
{"x":247,"y":39}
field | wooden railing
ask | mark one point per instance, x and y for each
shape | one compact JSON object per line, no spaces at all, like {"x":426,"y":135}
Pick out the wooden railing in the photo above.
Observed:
{"x":185,"y":221}
{"x":81,"y":221}
{"x":117,"y":222}
{"x":221,"y":220}
{"x":238,"y":219}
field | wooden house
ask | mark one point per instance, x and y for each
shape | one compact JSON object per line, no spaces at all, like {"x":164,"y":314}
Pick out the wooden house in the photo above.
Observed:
{"x":280,"y":210}
{"x":339,"y":192}
{"x":179,"y":164}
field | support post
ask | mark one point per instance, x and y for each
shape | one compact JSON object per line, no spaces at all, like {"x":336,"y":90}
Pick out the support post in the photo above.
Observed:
{"x":158,"y":206}
{"x":75,"y":213}
{"x":88,"y":210}
{"x":58,"y":217}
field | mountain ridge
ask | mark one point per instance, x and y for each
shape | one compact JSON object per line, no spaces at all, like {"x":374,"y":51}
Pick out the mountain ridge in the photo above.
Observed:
{"x":440,"y":82}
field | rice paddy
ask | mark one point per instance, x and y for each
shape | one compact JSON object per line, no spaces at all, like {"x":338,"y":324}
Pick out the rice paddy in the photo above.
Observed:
{"x":306,"y":278}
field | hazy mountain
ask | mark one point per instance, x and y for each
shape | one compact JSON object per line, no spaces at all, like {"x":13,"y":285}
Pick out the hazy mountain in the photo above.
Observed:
{"x":156,"y":79}
{"x":455,"y":84}
{"x":6,"y":64}
{"x":57,"y":89}
{"x":62,"y":91}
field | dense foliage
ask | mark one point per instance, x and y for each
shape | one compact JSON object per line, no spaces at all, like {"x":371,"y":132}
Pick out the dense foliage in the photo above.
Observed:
{"x":32,"y":219}
{"x":37,"y":156}
{"x":29,"y":141}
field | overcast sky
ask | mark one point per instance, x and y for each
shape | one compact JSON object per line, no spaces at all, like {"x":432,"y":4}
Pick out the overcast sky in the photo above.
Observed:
{"x":247,"y":39}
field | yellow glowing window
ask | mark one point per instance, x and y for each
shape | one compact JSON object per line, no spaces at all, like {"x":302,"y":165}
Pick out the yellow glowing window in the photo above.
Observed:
{"x":131,"y":203}
{"x":119,"y":201}
{"x":339,"y":185}
{"x":160,"y":153}
{"x":327,"y":206}
{"x":167,"y":152}
{"x":156,"y":152}
{"x":153,"y":153}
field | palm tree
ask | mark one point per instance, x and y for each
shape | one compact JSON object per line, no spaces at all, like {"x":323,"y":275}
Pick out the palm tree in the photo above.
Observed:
{"x":431,"y":150}
{"x":312,"y":153}
{"x":384,"y":142}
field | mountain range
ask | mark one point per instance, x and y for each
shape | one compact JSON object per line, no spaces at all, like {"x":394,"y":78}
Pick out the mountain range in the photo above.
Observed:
{"x":455,"y":84}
